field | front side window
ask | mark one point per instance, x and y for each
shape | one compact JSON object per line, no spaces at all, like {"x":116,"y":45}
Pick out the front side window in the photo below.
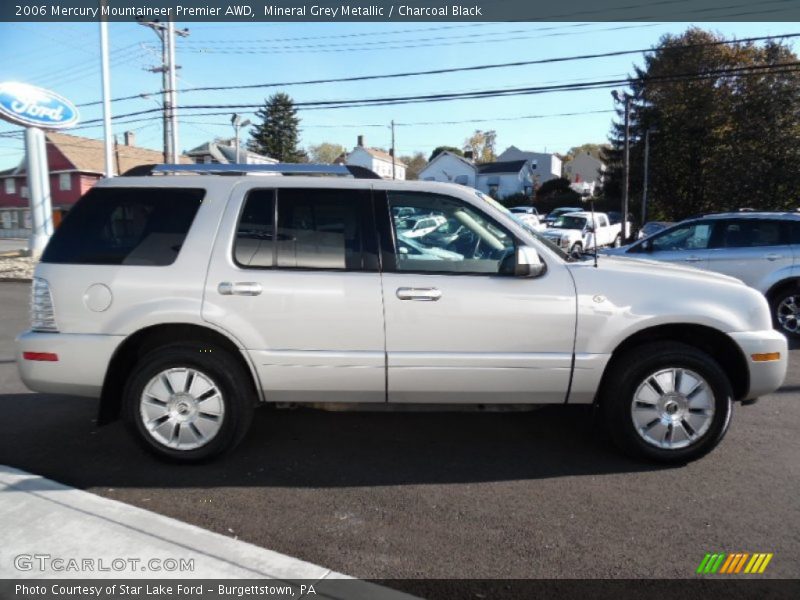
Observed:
{"x":125,"y":226}
{"x":460,"y":239}
{"x":315,"y":229}
{"x":692,"y":236}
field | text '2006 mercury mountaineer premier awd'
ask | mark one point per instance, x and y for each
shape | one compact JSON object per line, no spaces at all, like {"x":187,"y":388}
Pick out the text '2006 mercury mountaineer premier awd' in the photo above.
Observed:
{"x":182,"y":299}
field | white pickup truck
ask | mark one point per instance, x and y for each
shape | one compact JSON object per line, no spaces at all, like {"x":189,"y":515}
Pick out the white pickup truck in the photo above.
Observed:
{"x":577,"y":232}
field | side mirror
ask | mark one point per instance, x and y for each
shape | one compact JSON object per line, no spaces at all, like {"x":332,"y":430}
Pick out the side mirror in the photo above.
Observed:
{"x":524,"y":262}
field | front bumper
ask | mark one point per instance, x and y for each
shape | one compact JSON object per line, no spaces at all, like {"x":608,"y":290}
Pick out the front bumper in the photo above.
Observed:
{"x":81,"y":366}
{"x":765,"y":376}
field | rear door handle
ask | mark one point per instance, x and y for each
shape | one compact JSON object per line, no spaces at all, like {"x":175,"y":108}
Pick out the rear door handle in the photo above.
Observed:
{"x":692,"y":259}
{"x":239,"y":288}
{"x":773,"y":256}
{"x":422,"y":294}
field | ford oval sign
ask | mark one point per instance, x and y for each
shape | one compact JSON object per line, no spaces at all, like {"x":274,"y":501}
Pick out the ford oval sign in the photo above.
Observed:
{"x":35,"y":107}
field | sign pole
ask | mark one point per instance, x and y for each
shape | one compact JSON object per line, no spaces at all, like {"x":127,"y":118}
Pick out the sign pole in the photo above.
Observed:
{"x":106,"y":83}
{"x":39,"y":191}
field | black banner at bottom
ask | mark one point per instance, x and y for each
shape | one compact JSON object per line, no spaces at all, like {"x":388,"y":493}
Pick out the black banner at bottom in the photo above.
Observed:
{"x":399,"y":589}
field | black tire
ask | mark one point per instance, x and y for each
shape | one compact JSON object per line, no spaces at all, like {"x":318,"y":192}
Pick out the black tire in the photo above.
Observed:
{"x":215,"y":365}
{"x":632,"y":370}
{"x":617,"y":241}
{"x":576,"y":249}
{"x":783,"y":318}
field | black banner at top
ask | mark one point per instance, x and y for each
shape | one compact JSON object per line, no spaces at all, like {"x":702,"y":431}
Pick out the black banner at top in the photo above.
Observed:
{"x":406,"y":10}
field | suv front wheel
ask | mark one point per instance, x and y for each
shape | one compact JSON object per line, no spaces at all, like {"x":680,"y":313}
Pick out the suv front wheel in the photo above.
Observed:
{"x":188,"y":402}
{"x":667,"y":402}
{"x":786,"y":311}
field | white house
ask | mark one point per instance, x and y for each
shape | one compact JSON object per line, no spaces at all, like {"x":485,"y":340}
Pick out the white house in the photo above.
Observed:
{"x":543,"y":166}
{"x":375,"y":160}
{"x":223,"y":152}
{"x":452,"y":168}
{"x":586,"y":171}
{"x":505,"y":178}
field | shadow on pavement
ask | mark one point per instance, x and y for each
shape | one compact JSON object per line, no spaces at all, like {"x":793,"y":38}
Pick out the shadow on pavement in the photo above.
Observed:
{"x":55,"y":436}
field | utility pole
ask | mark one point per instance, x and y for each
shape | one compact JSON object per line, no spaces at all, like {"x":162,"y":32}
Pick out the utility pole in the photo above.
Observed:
{"x":626,"y":98}
{"x":166,"y":33}
{"x":106,"y":85}
{"x":646,"y":178}
{"x":393,"y":158}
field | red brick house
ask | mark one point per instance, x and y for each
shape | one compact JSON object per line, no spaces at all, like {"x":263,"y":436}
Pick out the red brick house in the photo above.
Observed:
{"x":75,"y":163}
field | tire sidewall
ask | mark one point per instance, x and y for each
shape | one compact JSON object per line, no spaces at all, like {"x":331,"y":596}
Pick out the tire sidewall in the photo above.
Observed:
{"x":776,"y":301}
{"x":215,"y":364}
{"x":631,"y":372}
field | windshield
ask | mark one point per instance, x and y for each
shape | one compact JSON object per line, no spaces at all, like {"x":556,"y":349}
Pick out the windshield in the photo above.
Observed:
{"x":568,"y":222}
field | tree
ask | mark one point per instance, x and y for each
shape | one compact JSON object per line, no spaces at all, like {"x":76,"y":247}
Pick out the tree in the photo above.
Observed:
{"x":724,"y":134}
{"x":439,"y":149}
{"x":325,"y":152}
{"x":481,"y":144}
{"x":277,"y":134}
{"x":414,"y":164}
{"x":595,"y":150}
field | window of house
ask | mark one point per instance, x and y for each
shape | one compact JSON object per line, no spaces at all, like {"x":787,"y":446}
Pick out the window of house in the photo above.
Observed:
{"x":23,"y":191}
{"x":65,"y":182}
{"x":464,"y":241}
{"x":315,"y":229}
{"x":10,"y":186}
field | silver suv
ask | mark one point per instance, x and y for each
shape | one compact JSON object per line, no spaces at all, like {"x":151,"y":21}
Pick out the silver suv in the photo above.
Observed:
{"x":183,"y":300}
{"x":761,"y":249}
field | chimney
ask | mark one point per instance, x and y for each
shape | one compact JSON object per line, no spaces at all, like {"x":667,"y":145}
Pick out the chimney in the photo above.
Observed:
{"x":468,"y":155}
{"x":361,"y":141}
{"x":130,"y":138}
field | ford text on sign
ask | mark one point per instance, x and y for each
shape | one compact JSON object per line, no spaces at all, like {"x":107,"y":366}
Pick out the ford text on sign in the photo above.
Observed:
{"x":32,"y":106}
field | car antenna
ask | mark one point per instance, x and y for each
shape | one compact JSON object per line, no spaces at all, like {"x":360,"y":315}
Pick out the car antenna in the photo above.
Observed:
{"x":586,"y":196}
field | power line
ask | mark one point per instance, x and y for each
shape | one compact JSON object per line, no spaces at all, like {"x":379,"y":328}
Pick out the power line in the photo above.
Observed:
{"x":483,"y":67}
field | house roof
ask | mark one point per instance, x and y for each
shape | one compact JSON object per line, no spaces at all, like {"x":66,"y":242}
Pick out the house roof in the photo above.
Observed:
{"x":224,"y":153}
{"x":510,"y":166}
{"x":87,"y":155}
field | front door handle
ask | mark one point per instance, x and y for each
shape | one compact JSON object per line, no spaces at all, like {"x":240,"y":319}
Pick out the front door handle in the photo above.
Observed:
{"x":692,"y":259}
{"x":423,"y":294}
{"x":773,"y":256}
{"x":239,"y":288}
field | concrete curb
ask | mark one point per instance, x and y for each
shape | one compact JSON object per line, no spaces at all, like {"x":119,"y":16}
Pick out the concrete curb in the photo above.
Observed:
{"x":40,"y":516}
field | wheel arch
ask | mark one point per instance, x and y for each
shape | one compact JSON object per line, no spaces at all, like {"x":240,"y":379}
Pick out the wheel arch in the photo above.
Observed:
{"x":138,"y":344}
{"x":707,"y":339}
{"x":781,"y":285}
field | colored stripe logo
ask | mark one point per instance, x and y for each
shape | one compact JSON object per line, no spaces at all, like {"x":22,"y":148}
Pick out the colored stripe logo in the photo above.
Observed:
{"x":734,"y":563}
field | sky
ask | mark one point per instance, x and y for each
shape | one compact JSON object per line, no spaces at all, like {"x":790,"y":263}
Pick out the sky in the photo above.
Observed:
{"x":65,"y":57}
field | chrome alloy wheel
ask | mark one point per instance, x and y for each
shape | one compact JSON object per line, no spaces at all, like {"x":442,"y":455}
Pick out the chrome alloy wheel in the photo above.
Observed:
{"x":182,"y":408}
{"x":672,"y":408}
{"x":789,"y":313}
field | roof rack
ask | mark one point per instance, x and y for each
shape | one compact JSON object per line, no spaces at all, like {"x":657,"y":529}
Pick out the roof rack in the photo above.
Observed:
{"x":239,"y":169}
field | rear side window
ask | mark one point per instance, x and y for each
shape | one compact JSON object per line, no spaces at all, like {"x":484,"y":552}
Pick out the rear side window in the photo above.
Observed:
{"x":125,"y":226}
{"x":752,"y":233}
{"x":315,"y":229}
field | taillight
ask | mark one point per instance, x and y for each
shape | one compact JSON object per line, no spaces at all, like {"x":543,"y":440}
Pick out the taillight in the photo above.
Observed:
{"x":43,"y":317}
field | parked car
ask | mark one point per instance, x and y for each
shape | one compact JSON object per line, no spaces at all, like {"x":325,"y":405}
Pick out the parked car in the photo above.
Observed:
{"x":184,"y":300}
{"x":762,"y":249}
{"x":413,"y":227}
{"x":557,"y":212}
{"x":528,"y":216}
{"x":581,"y":231}
{"x":652,"y":227}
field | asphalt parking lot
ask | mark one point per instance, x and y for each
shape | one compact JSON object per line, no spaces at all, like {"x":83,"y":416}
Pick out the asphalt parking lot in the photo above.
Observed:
{"x":438,"y":495}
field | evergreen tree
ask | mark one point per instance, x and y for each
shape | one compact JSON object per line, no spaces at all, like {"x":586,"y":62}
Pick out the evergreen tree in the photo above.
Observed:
{"x":719,"y":140}
{"x":277,"y":134}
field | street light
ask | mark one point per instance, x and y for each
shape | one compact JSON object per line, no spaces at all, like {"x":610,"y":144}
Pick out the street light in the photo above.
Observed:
{"x":626,"y":98}
{"x":237,"y":123}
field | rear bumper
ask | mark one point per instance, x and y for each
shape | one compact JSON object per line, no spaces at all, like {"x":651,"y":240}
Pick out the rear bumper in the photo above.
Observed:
{"x":765,"y":376}
{"x":81,"y":366}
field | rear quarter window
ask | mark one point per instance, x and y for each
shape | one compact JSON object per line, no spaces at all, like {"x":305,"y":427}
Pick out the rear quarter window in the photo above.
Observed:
{"x":125,"y":226}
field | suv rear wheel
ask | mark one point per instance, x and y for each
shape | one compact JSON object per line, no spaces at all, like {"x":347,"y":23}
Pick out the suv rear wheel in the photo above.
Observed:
{"x":785,"y":307}
{"x":189,"y":402}
{"x":667,"y":402}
